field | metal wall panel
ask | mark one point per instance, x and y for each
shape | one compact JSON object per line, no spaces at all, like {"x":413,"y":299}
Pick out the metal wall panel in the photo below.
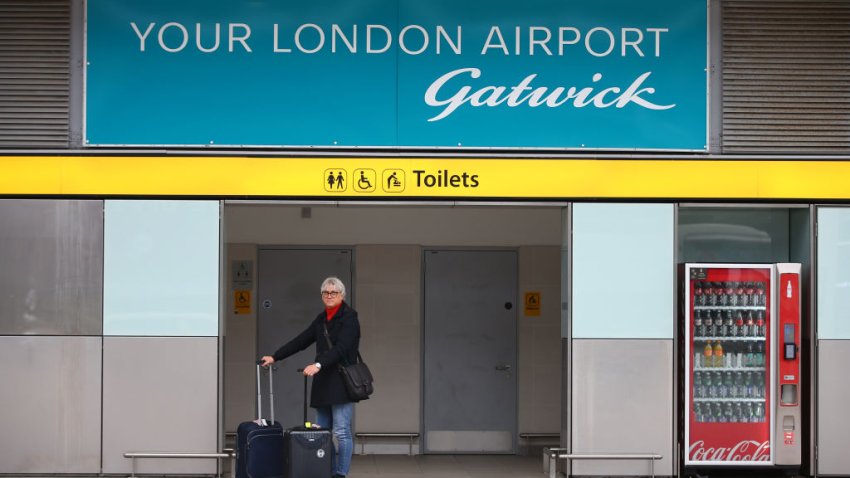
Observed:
{"x":833,"y":396}
{"x":160,"y":394}
{"x":50,"y":396}
{"x":622,"y":402}
{"x":786,"y":76}
{"x":52,"y":267}
{"x":34,"y":73}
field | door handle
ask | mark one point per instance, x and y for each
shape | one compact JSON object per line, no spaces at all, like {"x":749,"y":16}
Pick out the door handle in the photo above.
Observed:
{"x":503,"y":368}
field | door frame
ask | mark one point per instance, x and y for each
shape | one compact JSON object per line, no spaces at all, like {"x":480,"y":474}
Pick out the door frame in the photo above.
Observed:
{"x":422,"y":432}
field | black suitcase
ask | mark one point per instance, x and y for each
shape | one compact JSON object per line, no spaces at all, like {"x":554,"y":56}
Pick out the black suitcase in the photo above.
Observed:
{"x":307,"y":451}
{"x":259,"y":444}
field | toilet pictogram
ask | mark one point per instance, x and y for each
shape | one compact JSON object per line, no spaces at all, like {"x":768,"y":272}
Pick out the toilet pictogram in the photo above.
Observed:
{"x":335,"y":180}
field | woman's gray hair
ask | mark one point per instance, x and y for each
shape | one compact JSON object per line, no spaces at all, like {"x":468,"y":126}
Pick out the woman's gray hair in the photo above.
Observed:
{"x":335,"y":283}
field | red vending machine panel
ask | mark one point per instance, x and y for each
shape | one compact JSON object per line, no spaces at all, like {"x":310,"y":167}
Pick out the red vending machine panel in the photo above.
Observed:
{"x":729,"y":364}
{"x":788,"y":446}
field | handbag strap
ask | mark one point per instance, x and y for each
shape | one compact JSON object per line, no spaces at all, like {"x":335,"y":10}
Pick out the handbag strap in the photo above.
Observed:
{"x":330,"y":345}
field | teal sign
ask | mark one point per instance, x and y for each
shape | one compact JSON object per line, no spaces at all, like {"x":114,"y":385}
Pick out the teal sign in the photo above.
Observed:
{"x":562,"y":74}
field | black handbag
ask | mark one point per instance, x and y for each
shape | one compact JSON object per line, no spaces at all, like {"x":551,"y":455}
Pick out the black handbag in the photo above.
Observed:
{"x":357,"y":377}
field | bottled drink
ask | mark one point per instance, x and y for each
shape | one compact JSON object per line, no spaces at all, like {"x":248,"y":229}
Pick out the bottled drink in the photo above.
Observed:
{"x":708,"y":323}
{"x":718,"y":322}
{"x":728,"y":412}
{"x":750,"y":292}
{"x":739,"y":292}
{"x":732,"y":292}
{"x":705,"y":384}
{"x":761,"y":297}
{"x":728,"y":385}
{"x":698,"y":327}
{"x":725,"y":293}
{"x":729,"y":355}
{"x":748,"y":384}
{"x":698,"y":293}
{"x":738,"y":415}
{"x":758,"y":412}
{"x":718,"y":354}
{"x":749,"y":325}
{"x":749,"y":356}
{"x":698,"y":412}
{"x":717,"y":384}
{"x":761,"y":328}
{"x":731,"y":330}
{"x":738,"y":385}
{"x":758,"y":385}
{"x":759,"y":355}
{"x":698,"y":385}
{"x":722,"y":389}
{"x":707,"y":352}
{"x":738,"y":361}
{"x":748,"y":412}
{"x":709,"y":294}
{"x":739,"y":323}
{"x":721,"y":414}
{"x":707,"y":413}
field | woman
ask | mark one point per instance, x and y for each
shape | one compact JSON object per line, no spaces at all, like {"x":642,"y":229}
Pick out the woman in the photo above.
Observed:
{"x":334,"y":409}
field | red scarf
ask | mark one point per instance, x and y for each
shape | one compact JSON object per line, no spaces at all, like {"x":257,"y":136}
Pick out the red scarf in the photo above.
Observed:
{"x":332,"y":311}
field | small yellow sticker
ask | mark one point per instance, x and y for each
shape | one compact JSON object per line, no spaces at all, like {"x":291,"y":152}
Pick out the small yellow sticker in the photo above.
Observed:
{"x":241,"y":302}
{"x":532,"y":304}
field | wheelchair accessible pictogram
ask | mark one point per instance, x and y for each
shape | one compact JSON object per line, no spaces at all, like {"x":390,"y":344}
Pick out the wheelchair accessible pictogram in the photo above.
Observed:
{"x":365,"y":180}
{"x":392,"y":180}
{"x":335,"y":180}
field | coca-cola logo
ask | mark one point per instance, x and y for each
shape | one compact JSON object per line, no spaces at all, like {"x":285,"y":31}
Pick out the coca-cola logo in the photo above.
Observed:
{"x":746,"y":450}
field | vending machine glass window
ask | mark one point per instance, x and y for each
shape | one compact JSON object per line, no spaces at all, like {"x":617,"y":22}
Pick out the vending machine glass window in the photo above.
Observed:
{"x":728,"y":364}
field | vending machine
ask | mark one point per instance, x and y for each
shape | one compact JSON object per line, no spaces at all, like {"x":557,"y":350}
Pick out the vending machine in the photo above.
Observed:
{"x":742,"y":364}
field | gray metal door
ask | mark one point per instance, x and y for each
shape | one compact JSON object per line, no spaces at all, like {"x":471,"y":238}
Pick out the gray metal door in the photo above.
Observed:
{"x":470,"y":387}
{"x":289,"y":299}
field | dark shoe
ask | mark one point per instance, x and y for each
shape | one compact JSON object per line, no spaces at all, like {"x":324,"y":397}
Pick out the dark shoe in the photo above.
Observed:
{"x":339,"y":476}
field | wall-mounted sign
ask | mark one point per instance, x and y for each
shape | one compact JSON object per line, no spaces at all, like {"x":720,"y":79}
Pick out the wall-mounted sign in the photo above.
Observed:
{"x":243,"y":274}
{"x":532,"y":304}
{"x":418,"y":178}
{"x":241,"y":302}
{"x":581,"y":74}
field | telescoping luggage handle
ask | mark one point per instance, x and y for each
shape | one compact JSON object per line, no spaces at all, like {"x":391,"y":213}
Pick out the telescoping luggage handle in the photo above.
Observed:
{"x":301,"y":371}
{"x":260,"y":394}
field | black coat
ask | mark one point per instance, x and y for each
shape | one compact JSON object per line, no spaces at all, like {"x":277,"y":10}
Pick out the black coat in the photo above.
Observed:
{"x":344,"y":331}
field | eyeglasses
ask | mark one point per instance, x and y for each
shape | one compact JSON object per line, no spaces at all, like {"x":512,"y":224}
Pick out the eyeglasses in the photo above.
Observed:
{"x":330,"y":293}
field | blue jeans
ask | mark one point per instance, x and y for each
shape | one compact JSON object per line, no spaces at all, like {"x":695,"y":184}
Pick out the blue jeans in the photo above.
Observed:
{"x":338,"y":419}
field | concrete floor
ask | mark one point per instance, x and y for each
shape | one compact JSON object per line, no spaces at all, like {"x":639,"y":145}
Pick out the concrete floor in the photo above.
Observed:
{"x":446,"y":466}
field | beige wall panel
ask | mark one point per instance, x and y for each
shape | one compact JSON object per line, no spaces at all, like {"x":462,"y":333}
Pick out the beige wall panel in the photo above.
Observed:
{"x":622,"y":402}
{"x":240,"y":347}
{"x":387,"y":278}
{"x":833,"y":396}
{"x":540,"y":341}
{"x":160,"y":394}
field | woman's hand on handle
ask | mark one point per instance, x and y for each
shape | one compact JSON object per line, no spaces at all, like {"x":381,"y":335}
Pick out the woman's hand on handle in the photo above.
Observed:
{"x":266,"y":360}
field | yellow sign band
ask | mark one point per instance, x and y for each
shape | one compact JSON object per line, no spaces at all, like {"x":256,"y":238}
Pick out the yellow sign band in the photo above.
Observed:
{"x":364,"y":178}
